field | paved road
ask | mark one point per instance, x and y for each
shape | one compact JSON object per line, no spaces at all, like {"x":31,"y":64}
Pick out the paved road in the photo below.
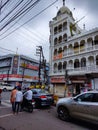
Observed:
{"x":40,"y":119}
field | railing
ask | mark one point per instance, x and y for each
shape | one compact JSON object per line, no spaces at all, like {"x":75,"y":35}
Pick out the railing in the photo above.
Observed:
{"x":77,"y":71}
{"x":84,"y":70}
{"x":83,"y":50}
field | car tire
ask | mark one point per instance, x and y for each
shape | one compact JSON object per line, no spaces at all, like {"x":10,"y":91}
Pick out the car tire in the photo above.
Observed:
{"x":63,"y":113}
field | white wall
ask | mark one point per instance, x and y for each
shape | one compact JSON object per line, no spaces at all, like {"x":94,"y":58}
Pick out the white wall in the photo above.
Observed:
{"x":96,"y":83}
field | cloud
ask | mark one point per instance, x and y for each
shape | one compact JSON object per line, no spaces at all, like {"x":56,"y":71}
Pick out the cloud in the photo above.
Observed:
{"x":36,"y":32}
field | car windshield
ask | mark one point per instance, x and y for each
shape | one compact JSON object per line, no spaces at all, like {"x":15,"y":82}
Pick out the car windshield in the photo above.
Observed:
{"x":43,"y":91}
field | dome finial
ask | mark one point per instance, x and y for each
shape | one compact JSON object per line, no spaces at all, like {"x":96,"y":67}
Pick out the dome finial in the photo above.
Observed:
{"x":63,"y":2}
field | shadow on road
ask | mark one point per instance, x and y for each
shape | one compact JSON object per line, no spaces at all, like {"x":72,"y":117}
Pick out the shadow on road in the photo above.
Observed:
{"x":85,"y":124}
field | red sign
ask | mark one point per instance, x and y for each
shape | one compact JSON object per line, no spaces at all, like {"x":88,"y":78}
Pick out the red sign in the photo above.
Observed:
{"x":2,"y":76}
{"x":59,"y":56}
{"x":60,"y":79}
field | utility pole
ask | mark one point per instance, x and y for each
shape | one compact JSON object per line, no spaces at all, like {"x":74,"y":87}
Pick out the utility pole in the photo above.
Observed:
{"x":39,"y":52}
{"x":44,"y":69}
{"x":42,"y":63}
{"x":8,"y":71}
{"x":24,"y":67}
{"x":66,"y":81}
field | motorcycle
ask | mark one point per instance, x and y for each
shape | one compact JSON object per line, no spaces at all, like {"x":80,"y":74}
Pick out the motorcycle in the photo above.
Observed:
{"x":27,"y":105}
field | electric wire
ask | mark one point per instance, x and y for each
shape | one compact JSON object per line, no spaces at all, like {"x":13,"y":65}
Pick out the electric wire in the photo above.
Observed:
{"x":19,"y":18}
{"x":9,"y":4}
{"x":20,"y":12}
{"x":13,"y":9}
{"x":4,"y":4}
{"x":6,"y":49}
{"x":29,"y":19}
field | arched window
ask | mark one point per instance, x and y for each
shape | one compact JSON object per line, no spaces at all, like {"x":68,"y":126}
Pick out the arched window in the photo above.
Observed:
{"x":82,"y":46}
{"x":55,"y":67}
{"x":83,"y":62}
{"x":60,"y":28}
{"x":55,"y":41}
{"x":64,"y":65}
{"x":97,"y":60}
{"x":91,"y":60}
{"x":60,"y":66}
{"x":60,"y":39}
{"x":64,"y":25}
{"x":55,"y":30}
{"x":76,"y":64}
{"x":55,"y":52}
{"x":96,"y":40}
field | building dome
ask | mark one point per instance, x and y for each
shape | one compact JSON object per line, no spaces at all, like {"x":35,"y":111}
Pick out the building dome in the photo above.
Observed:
{"x":64,"y":10}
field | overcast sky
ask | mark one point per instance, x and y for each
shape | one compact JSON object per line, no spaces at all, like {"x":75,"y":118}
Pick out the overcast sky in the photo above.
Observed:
{"x":36,"y":32}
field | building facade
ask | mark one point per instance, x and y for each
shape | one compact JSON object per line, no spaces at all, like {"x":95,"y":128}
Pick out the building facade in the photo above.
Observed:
{"x":73,"y":55}
{"x":20,"y":68}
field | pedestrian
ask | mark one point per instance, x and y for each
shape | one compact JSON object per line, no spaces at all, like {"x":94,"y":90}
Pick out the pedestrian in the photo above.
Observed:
{"x":18,"y":85}
{"x":27,"y":97}
{"x":18,"y":100}
{"x":12,"y":98}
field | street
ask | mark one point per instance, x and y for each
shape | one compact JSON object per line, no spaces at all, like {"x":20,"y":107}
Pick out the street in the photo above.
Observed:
{"x":40,"y":119}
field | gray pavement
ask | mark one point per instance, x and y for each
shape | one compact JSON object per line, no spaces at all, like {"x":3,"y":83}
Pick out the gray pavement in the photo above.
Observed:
{"x":40,"y":119}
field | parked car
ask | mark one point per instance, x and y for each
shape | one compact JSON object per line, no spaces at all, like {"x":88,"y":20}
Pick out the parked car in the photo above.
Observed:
{"x":6,"y":87}
{"x":84,"y":106}
{"x":42,"y":97}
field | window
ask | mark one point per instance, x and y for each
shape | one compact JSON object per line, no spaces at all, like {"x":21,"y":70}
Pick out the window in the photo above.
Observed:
{"x":87,"y":97}
{"x":95,"y":99}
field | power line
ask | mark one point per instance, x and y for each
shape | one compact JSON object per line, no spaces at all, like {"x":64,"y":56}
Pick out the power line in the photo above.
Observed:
{"x":16,"y":5}
{"x":19,"y":18}
{"x":27,"y":6}
{"x":4,"y":4}
{"x":6,"y":49}
{"x":29,"y":19}
{"x":9,"y":4}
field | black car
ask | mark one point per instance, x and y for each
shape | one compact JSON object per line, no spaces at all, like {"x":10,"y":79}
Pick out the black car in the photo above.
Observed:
{"x":42,"y":97}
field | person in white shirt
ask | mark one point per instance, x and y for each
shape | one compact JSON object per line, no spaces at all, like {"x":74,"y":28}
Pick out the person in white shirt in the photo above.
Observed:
{"x":28,"y":94}
{"x":18,"y":100}
{"x":27,"y":97}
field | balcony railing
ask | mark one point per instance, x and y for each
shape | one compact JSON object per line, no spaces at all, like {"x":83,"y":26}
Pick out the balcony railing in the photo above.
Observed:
{"x":77,"y":71}
{"x":83,"y":70}
{"x":83,"y":50}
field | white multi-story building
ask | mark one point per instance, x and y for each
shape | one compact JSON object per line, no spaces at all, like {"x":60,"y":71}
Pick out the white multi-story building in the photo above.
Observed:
{"x":73,"y":55}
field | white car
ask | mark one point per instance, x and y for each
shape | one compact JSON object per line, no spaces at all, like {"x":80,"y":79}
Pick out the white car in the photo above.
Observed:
{"x":6,"y":87}
{"x":84,"y":106}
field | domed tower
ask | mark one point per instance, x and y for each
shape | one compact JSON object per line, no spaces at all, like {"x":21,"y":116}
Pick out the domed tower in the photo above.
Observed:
{"x":62,"y":29}
{"x":65,"y":16}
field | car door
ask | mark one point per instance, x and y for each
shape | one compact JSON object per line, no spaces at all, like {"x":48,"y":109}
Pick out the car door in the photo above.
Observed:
{"x":81,"y":106}
{"x":94,"y":108}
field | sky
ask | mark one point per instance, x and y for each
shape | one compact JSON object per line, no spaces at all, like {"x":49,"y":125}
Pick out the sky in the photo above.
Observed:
{"x":36,"y":32}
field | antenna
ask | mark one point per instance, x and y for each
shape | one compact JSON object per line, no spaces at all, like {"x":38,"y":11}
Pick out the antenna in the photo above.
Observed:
{"x":63,"y":2}
{"x":84,"y":26}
